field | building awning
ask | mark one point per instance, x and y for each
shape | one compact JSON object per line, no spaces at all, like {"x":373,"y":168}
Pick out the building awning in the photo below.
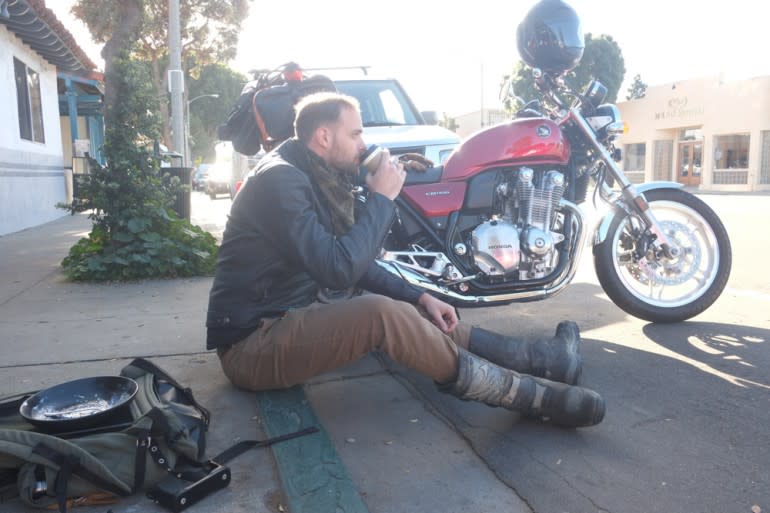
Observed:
{"x":87,"y":92}
{"x":38,"y":27}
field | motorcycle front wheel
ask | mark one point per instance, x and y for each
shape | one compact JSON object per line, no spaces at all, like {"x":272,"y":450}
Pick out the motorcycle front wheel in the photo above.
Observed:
{"x":651,"y":286}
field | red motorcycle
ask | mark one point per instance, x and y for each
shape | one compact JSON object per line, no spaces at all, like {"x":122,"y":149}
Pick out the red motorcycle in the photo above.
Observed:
{"x":500,"y":221}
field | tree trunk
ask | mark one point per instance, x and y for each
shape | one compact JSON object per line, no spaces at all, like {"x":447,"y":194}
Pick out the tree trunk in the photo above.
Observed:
{"x":122,"y":39}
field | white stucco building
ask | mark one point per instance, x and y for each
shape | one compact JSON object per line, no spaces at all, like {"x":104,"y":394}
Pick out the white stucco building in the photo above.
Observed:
{"x":707,"y":133}
{"x":44,"y":76}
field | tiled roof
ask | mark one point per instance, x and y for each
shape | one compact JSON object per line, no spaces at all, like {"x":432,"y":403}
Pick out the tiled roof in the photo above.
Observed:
{"x":38,"y":27}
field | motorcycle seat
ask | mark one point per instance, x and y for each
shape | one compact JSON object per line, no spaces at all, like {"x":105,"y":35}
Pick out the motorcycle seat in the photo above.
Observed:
{"x":430,"y":175}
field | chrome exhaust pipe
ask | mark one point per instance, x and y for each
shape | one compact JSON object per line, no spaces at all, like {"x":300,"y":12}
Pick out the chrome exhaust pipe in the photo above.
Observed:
{"x":415,"y":278}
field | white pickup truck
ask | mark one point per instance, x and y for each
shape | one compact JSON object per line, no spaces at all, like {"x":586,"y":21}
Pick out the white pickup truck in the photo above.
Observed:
{"x":391,"y":120}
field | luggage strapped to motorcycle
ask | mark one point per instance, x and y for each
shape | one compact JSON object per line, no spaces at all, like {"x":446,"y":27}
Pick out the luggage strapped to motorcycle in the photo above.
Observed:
{"x":166,"y":423}
{"x":263,"y":116}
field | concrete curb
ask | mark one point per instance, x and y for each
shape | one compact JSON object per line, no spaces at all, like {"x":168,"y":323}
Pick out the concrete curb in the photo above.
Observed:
{"x":312,"y":473}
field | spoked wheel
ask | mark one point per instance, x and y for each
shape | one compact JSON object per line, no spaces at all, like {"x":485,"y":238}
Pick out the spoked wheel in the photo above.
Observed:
{"x":650,"y":285}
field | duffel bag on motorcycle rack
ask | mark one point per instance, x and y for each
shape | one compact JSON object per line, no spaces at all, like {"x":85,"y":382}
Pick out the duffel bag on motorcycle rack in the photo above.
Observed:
{"x":263,"y":117}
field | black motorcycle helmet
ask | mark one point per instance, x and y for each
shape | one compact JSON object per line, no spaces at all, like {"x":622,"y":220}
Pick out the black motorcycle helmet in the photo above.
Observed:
{"x":550,"y":37}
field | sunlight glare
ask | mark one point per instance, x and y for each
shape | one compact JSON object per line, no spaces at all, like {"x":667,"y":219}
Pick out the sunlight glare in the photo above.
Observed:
{"x":702,"y":346}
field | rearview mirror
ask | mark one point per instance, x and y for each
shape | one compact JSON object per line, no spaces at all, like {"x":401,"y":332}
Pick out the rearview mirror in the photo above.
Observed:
{"x":508,"y":96}
{"x":506,"y":90}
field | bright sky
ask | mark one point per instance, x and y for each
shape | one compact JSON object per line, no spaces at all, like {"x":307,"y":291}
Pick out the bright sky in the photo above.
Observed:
{"x":450,"y":57}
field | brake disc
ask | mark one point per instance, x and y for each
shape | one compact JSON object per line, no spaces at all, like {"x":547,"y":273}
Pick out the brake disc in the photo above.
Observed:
{"x":670,"y":271}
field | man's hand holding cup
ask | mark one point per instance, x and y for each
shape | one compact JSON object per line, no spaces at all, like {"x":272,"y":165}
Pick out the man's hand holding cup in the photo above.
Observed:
{"x":385,"y":174}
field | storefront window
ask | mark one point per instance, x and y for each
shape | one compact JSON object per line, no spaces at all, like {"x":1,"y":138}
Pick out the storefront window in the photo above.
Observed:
{"x":731,"y":151}
{"x":764,"y":165}
{"x":633,"y":157}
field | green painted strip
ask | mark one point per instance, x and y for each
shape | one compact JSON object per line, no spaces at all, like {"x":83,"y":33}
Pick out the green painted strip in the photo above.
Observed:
{"x":313,"y":476}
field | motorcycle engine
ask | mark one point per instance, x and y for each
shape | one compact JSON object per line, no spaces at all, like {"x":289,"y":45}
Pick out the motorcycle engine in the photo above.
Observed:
{"x":521,"y":238}
{"x":496,"y":247}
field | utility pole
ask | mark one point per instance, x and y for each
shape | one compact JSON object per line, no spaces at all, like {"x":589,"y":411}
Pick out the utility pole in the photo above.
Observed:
{"x":176,"y":79}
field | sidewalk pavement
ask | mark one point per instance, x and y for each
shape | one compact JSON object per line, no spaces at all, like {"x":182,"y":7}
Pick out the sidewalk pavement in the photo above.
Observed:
{"x":381,"y":447}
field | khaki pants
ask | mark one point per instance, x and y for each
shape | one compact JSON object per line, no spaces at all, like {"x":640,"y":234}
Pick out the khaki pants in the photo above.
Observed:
{"x":322,"y":337}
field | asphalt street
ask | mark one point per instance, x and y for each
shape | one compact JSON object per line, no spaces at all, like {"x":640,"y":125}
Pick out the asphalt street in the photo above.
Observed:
{"x":688,"y":404}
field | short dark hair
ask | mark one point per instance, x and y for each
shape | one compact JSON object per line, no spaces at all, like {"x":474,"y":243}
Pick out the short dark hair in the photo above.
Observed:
{"x":317,"y":109}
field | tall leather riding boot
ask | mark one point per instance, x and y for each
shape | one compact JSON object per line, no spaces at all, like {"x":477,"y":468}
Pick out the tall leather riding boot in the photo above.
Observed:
{"x":565,"y":405}
{"x":556,"y":359}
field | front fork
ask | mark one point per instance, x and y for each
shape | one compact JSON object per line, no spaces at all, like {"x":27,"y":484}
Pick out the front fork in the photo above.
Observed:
{"x":634,"y":199}
{"x":638,"y":203}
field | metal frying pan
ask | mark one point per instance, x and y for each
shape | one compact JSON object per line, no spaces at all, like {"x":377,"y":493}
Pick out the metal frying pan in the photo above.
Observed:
{"x":79,"y":404}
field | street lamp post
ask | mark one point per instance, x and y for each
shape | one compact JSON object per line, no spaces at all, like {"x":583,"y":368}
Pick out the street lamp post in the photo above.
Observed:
{"x":176,"y":79}
{"x":187,"y":124}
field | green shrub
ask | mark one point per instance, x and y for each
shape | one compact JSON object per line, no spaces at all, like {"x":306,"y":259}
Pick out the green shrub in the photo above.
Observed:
{"x":172,"y":249}
{"x":136,"y":234}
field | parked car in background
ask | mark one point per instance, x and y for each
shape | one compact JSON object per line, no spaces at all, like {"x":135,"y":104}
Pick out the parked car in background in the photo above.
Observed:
{"x":247,"y":164}
{"x":219,"y":180}
{"x":200,"y":176}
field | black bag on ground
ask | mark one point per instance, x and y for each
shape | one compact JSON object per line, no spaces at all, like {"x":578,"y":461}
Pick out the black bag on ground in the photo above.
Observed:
{"x":155,"y":444}
{"x":161,"y":432}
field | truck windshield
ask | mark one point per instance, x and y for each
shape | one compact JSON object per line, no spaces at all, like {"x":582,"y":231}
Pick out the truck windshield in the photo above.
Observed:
{"x":382,"y":102}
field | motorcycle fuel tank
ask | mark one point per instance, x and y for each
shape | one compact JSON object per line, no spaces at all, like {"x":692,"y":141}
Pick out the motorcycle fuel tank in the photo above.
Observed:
{"x":519,"y":142}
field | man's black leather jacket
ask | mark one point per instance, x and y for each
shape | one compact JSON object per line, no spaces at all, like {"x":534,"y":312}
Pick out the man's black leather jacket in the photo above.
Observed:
{"x":279,"y":250}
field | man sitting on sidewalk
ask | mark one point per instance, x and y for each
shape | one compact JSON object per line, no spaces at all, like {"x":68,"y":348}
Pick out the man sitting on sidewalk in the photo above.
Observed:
{"x":292,"y":231}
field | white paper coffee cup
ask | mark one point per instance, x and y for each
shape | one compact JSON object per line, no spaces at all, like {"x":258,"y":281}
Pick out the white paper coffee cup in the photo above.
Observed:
{"x":371,"y":158}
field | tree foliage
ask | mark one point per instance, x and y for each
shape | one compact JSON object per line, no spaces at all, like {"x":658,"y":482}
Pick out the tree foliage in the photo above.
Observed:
{"x":523,"y":84}
{"x":206,"y":114}
{"x":602,"y":59}
{"x":135,"y":234}
{"x":448,"y":122}
{"x":209,"y":33}
{"x":637,"y":89}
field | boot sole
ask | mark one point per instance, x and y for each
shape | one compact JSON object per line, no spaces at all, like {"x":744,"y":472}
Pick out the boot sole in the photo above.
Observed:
{"x":595,"y":416}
